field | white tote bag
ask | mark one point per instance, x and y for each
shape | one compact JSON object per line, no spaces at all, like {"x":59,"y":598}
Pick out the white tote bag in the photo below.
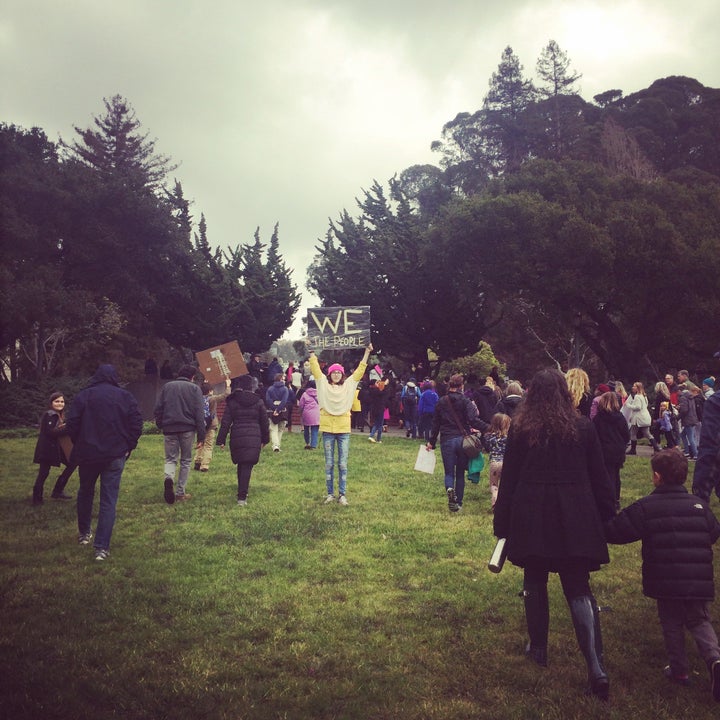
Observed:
{"x":425,"y":461}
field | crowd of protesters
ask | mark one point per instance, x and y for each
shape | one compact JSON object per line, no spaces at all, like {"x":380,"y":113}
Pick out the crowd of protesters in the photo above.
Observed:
{"x":556,"y":453}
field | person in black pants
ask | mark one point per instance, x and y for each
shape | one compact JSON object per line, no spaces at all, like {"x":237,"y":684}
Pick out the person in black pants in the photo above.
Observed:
{"x":246,"y":419}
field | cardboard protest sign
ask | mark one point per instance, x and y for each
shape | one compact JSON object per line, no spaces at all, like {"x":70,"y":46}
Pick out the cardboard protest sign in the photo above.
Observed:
{"x":338,"y":328}
{"x":217,"y":363}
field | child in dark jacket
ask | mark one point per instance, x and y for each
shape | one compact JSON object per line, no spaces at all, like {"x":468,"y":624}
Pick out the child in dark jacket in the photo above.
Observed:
{"x":614,"y":434}
{"x":677,"y":532}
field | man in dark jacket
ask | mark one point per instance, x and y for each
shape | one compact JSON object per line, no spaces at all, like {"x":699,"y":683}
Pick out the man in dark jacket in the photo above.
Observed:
{"x":104,"y":424}
{"x":707,"y":468}
{"x":677,"y":532}
{"x":180,"y":414}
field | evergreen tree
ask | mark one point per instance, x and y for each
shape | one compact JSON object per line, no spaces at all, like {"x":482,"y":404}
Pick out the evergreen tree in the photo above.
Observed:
{"x":558,"y":101}
{"x":504,"y":133}
{"x":117,"y":150}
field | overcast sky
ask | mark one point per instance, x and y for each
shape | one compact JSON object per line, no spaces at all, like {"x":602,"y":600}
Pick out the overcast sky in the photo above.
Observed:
{"x":285,"y":110}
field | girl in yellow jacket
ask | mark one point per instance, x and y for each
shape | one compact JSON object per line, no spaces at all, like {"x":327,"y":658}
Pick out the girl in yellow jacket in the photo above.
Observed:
{"x":336,"y":393}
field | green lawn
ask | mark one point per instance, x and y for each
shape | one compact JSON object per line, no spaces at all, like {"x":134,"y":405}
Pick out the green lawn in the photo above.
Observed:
{"x":290,"y":608}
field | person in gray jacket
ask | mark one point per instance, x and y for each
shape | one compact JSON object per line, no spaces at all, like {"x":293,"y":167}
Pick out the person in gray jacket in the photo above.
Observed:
{"x":180,"y":414}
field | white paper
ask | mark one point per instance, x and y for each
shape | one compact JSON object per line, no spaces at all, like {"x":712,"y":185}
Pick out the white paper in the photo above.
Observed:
{"x":425,"y":460}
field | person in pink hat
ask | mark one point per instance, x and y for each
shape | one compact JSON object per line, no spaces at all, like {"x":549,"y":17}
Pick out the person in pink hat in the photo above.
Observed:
{"x":335,"y":394}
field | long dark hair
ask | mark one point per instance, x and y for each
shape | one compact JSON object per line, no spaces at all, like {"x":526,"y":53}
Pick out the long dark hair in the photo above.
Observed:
{"x":547,"y":410}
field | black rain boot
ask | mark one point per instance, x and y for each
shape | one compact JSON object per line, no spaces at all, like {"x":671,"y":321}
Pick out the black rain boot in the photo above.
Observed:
{"x":586,"y":619}
{"x":633,"y":448}
{"x":537,"y":615}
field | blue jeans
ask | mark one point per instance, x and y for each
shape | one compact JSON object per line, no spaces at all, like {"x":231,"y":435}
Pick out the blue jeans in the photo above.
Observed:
{"x":687,"y":435}
{"x":377,"y":428}
{"x":410,"y":418}
{"x":109,"y":473}
{"x":342,"y":440}
{"x":455,"y":463}
{"x":179,"y":444}
{"x":311,"y":435}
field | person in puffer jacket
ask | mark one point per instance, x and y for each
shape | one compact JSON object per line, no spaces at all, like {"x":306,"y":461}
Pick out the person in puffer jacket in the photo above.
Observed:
{"x":246,"y":420}
{"x":678,"y":531}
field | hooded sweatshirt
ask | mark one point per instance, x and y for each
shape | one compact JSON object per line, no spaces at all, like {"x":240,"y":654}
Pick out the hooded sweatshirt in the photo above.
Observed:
{"x":103,"y":421}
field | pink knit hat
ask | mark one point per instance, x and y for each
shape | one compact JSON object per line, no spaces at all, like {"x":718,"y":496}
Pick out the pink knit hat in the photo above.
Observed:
{"x":336,"y":367}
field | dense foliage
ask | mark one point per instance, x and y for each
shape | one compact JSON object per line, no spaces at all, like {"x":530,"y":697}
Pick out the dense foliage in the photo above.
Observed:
{"x":101,"y":260}
{"x":556,"y":229}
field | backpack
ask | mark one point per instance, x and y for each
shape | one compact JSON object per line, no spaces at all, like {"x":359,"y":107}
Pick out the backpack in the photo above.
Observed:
{"x":409,"y":396}
{"x":699,"y":403}
{"x":206,"y":410}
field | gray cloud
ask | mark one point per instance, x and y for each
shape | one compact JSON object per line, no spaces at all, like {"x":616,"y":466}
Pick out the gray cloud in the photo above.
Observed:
{"x":283,"y":111}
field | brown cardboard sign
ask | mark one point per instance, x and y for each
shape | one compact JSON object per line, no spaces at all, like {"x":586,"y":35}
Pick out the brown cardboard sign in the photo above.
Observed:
{"x":217,"y":363}
{"x":338,"y":328}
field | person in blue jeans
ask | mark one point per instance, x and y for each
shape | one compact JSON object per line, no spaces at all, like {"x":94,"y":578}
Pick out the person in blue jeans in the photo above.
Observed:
{"x":455,"y":416}
{"x":104,"y":424}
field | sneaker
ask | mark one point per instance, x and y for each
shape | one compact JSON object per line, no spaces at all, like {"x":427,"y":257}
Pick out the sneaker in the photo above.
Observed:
{"x":84,"y":538}
{"x":242,"y":503}
{"x":169,"y":491}
{"x":378,"y":442}
{"x":679,"y":679}
{"x":371,"y":438}
{"x":452,"y":500}
{"x":329,"y":499}
{"x":715,"y":680}
{"x":101,"y":554}
{"x":342,"y":500}
{"x":184,"y":496}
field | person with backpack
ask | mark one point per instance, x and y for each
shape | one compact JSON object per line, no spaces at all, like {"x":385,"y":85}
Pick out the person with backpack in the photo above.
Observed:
{"x":277,"y":400}
{"x":409,"y":397}
{"x":203,"y":455}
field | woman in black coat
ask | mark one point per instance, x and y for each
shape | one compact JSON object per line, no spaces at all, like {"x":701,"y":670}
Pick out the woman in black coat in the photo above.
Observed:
{"x":554,"y":497}
{"x":53,"y":447}
{"x":245,"y":418}
{"x":614,"y":435}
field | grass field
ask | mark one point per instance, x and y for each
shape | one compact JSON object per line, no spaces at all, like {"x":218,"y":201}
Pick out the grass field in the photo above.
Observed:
{"x":289,"y":608}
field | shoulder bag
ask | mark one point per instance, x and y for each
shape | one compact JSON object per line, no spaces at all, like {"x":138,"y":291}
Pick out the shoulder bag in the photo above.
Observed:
{"x":471,"y":442}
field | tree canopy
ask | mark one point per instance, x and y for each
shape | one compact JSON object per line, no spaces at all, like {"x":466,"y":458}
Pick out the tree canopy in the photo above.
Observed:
{"x":555,"y":229}
{"x":100,"y":255}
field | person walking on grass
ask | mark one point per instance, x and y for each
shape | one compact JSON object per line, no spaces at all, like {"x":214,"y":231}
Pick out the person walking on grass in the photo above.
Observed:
{"x":677,"y":531}
{"x":277,"y":401}
{"x":180,"y":414}
{"x":246,"y":419}
{"x":455,"y":416}
{"x":203,"y":455}
{"x":494,"y":441}
{"x":104,"y":424}
{"x":553,"y":498}
{"x":614,"y":435}
{"x":638,"y":418}
{"x":53,"y":448}
{"x":335,"y":394}
{"x":310,"y":415}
